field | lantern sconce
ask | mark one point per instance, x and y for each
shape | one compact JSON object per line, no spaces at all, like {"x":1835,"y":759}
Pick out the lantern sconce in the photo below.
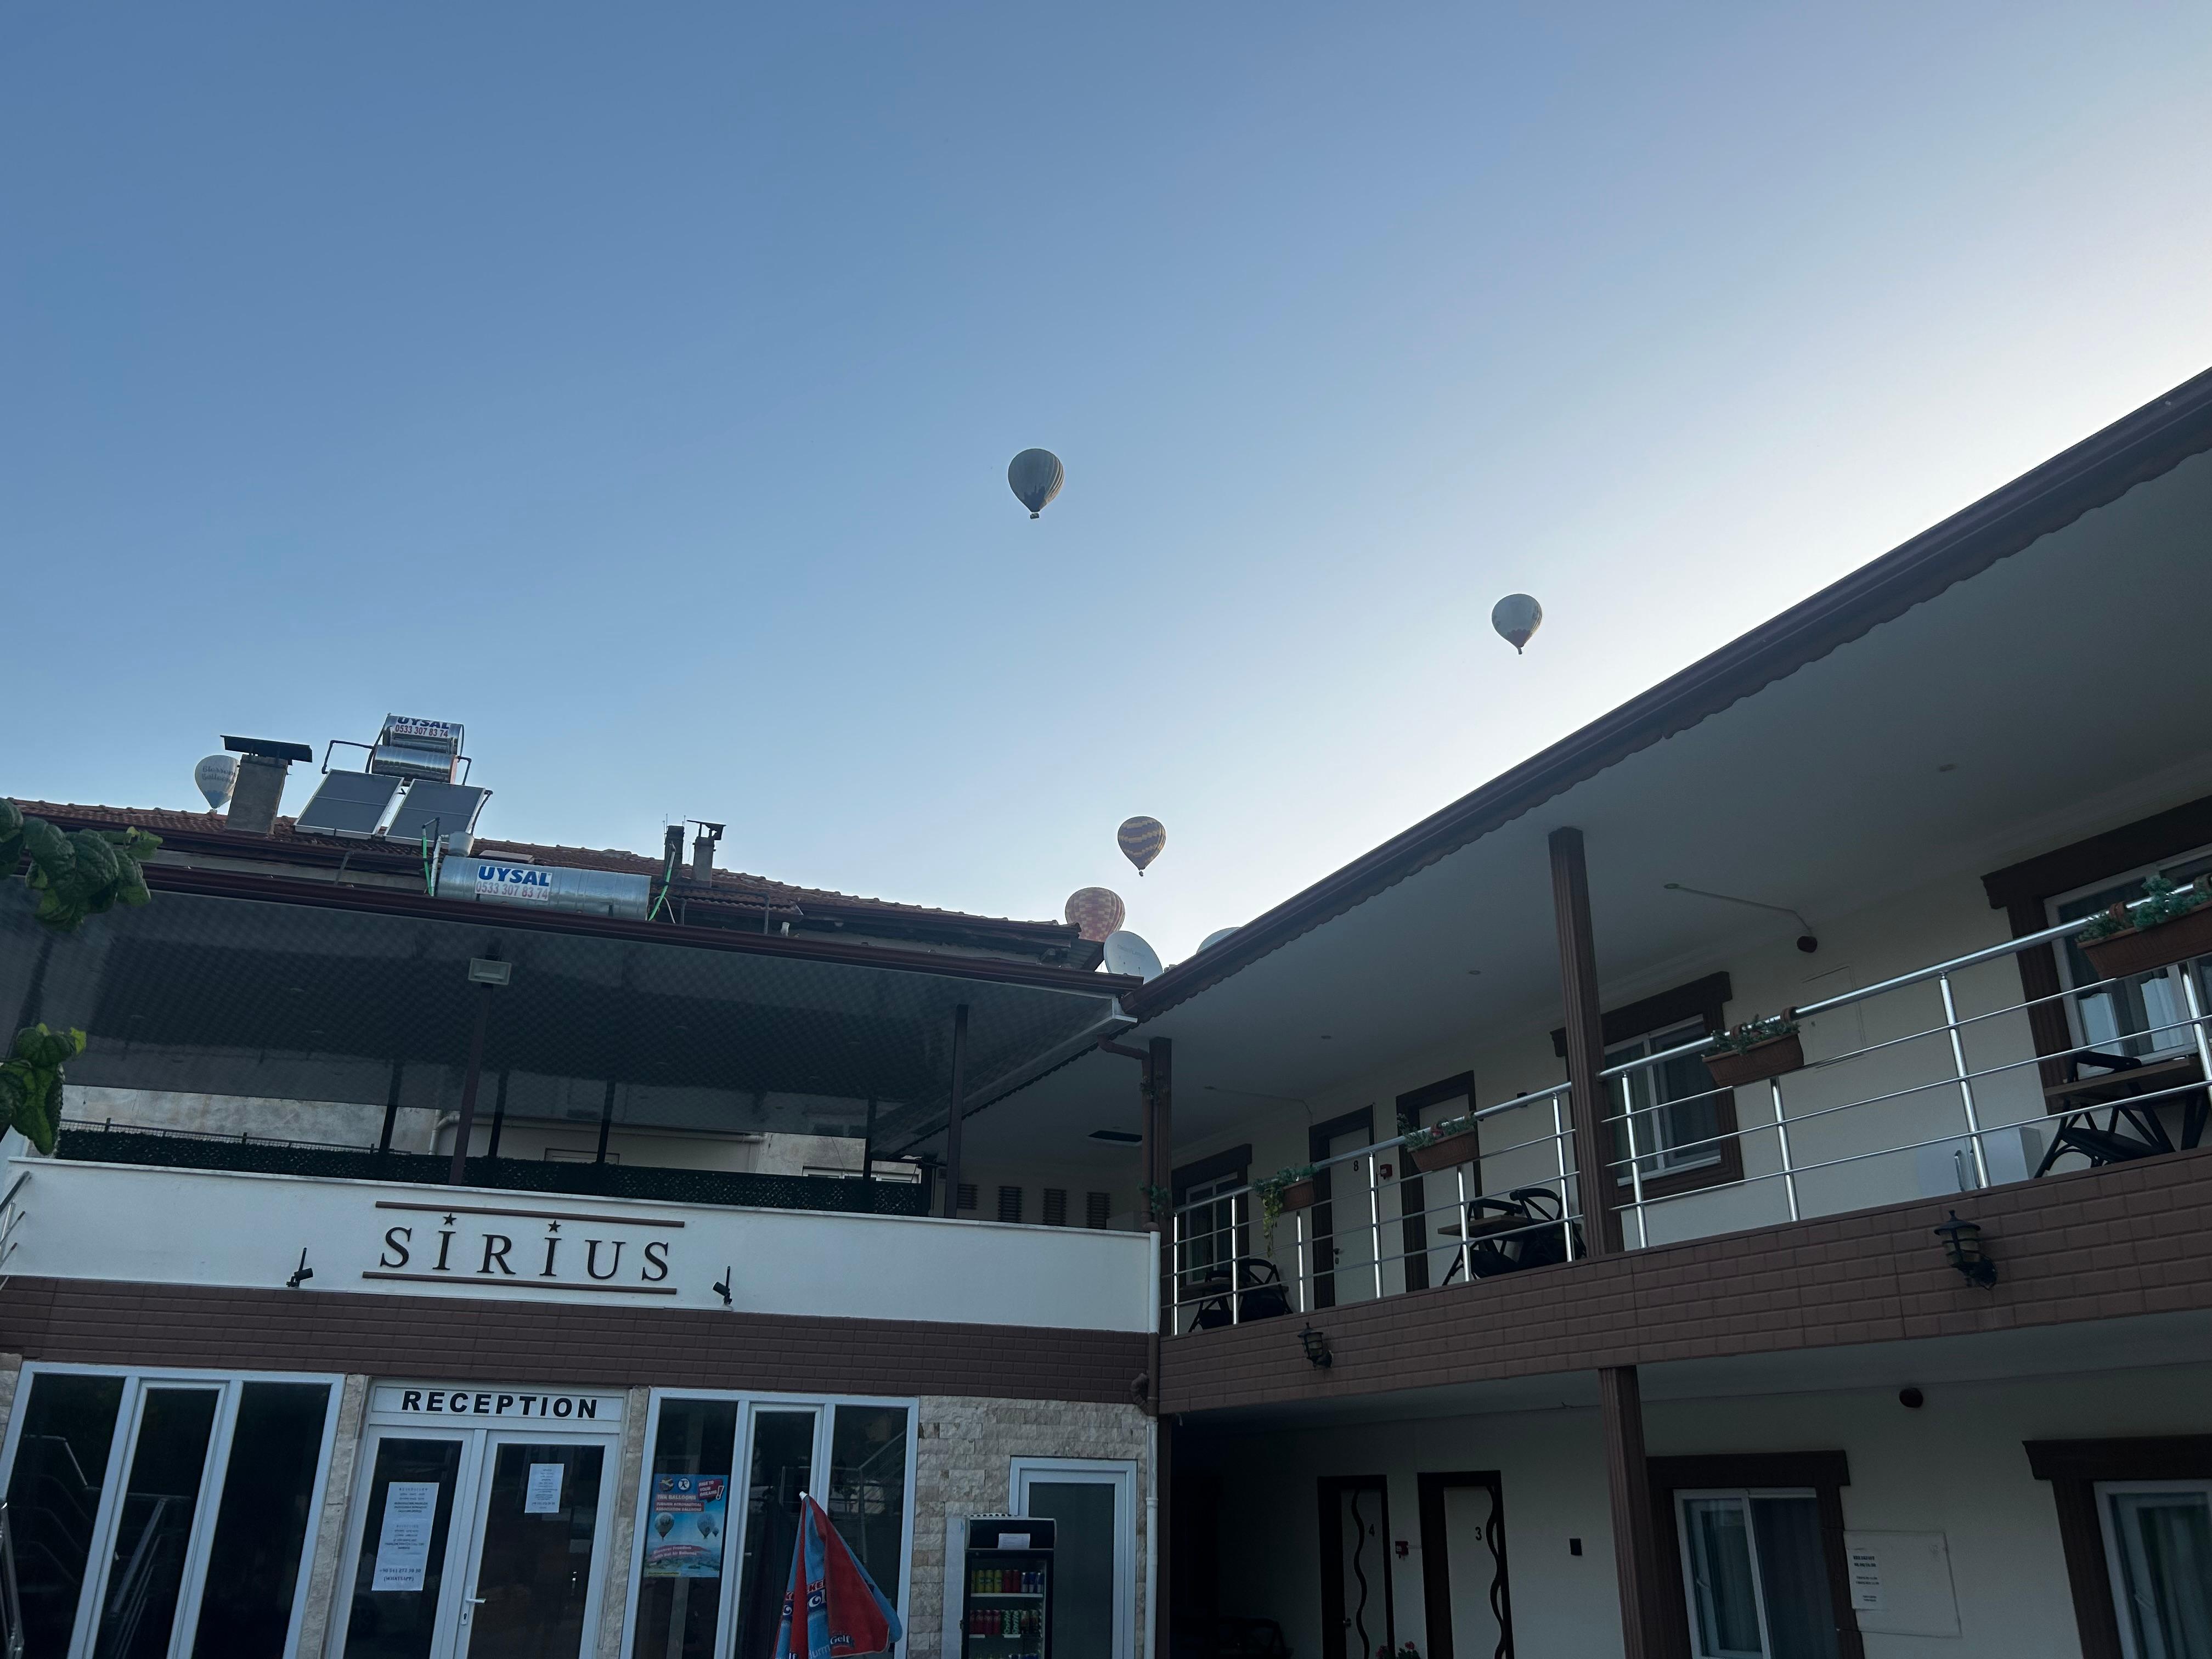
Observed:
{"x":1962,"y":1247}
{"x":1316,"y":1349}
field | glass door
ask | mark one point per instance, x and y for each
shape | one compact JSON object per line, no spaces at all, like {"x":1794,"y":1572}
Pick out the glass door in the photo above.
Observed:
{"x":402,"y":1597}
{"x":539,"y":1517}
{"x":1092,"y":1504}
{"x":150,"y":1534}
{"x":779,"y":1466}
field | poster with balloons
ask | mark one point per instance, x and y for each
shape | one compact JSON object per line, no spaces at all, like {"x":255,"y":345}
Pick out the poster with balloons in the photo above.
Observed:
{"x":684,"y":1532}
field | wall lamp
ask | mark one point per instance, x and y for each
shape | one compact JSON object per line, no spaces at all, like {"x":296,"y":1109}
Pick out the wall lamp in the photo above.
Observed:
{"x":300,"y":1274}
{"x":1962,"y":1248}
{"x":1316,"y":1349}
{"x":722,"y":1287}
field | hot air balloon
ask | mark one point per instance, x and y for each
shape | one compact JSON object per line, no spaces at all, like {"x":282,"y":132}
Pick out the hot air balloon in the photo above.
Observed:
{"x":1095,"y":912}
{"x":1036,"y":475}
{"x":665,"y":1525}
{"x":216,"y":776}
{"x":1141,"y":840}
{"x":1516,"y":617}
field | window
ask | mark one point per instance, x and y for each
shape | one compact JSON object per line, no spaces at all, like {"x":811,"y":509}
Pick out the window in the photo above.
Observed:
{"x":1209,"y":1231}
{"x":2158,"y":1549}
{"x":1755,"y":1575}
{"x":1684,"y":1133}
{"x":1010,"y":1204}
{"x":1097,"y":1209}
{"x":967,"y":1195}
{"x":2144,"y":1015}
{"x":1055,"y":1206}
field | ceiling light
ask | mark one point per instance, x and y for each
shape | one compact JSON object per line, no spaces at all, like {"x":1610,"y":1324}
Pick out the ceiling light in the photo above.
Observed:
{"x":1118,"y":1137}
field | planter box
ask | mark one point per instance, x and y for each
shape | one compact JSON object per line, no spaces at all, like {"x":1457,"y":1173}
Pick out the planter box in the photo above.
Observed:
{"x":1769,"y":1059}
{"x":1445,"y":1151}
{"x":1299,"y":1195}
{"x":2145,"y":950}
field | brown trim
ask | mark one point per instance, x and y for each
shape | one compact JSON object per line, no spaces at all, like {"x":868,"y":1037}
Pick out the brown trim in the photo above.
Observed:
{"x":611,"y":1344}
{"x":1324,"y":1208}
{"x":1412,"y":1195}
{"x":2073,"y":1467}
{"x":1705,"y":999}
{"x":1587,"y":1097}
{"x":2133,"y":1238}
{"x":1328,"y":1488}
{"x":2138,"y":447}
{"x":1636,"y":1560}
{"x":1436,"y":1561}
{"x":525,"y":1215}
{"x":596,"y":1290}
{"x":1190,"y":1174}
{"x":2161,"y":835}
{"x":388,"y":901}
{"x":1827,"y":1472}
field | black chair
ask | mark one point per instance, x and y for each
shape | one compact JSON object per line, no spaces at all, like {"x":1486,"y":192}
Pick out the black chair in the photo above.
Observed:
{"x":1520,"y":1229}
{"x":1260,"y":1294}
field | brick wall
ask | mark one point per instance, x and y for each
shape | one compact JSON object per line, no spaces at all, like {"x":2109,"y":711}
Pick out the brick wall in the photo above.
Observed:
{"x":2099,"y":1243}
{"x":98,"y":1322}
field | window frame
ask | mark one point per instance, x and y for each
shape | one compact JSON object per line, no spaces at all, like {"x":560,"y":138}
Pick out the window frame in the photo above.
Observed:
{"x":2105,"y":1489}
{"x":750,"y":1403}
{"x":1745,"y":1496}
{"x":2173,"y":1043}
{"x":2075,"y":1469}
{"x":1721,"y":1164}
{"x":230,"y":1386}
{"x":1823,"y":1474}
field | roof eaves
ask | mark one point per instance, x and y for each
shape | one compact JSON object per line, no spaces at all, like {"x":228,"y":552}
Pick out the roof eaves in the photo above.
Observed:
{"x":2095,"y":473}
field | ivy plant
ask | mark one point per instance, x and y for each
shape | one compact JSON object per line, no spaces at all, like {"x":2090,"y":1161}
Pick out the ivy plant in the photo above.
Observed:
{"x":1271,"y":1190}
{"x":31,"y":1082}
{"x":77,"y":873}
{"x":1743,"y":1039}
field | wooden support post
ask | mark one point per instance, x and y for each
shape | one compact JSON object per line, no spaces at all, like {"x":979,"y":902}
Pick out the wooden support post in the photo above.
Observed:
{"x":498,"y":1118}
{"x":391,"y":1107}
{"x":457,"y":1174}
{"x":1585,"y":1027}
{"x":606,"y":1123}
{"x":956,"y":1110}
{"x":1635,"y":1540}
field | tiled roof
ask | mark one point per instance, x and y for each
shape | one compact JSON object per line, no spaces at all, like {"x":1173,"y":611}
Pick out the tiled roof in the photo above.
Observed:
{"x":732,"y":886}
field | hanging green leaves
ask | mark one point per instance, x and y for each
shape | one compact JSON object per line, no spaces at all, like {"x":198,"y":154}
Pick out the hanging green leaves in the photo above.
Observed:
{"x":31,"y":1082}
{"x":76,"y":874}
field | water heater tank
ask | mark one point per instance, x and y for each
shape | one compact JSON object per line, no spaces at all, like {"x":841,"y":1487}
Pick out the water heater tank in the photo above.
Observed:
{"x":544,"y":886}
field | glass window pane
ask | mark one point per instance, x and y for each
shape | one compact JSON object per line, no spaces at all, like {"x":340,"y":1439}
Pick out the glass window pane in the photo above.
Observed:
{"x":1793,"y":1577}
{"x":1724,"y":1606}
{"x":268,"y":1493}
{"x":154,"y":1528}
{"x":867,"y":1487}
{"x":541,"y":1523}
{"x":680,"y":1594}
{"x":779,"y":1470}
{"x":2166,"y":1571}
{"x":53,"y":1497}
{"x":1082,"y":1564}
{"x":397,"y":1621}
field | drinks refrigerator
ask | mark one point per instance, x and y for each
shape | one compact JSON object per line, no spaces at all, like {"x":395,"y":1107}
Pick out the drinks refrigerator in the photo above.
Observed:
{"x":1006,"y":1613}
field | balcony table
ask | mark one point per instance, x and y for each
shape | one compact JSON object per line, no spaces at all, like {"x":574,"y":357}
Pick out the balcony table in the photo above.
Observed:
{"x":2113,"y":1093}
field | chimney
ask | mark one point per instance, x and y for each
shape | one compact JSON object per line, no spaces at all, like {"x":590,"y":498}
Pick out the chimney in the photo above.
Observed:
{"x":702,"y":851}
{"x":262,"y":765}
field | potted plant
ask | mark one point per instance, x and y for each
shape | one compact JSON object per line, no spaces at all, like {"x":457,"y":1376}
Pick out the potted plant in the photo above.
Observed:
{"x":1451,"y":1143}
{"x":1286,"y":1189}
{"x":2171,"y":925}
{"x":1754,"y":1051}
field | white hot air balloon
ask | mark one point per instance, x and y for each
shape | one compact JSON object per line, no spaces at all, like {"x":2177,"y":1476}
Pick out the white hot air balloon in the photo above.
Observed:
{"x":216,"y":776}
{"x":1516,"y":617}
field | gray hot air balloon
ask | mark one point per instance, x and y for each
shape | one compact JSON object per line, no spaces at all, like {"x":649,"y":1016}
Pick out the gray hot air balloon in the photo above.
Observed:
{"x":216,"y":776}
{"x":1036,"y":475}
{"x":1516,"y":617}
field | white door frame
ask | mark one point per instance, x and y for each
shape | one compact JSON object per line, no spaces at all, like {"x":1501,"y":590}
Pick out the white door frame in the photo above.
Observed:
{"x":1119,"y":1473}
{"x":445,"y":1621}
{"x":490,"y":1439}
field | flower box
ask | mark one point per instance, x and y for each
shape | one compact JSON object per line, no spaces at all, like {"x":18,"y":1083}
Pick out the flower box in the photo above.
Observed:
{"x":2146,"y":950}
{"x":1732,"y":1070}
{"x":1445,"y":1151}
{"x":1299,"y":1195}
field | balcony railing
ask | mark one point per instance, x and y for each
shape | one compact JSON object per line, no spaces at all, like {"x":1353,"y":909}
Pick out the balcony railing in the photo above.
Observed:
{"x":1952,"y":1099}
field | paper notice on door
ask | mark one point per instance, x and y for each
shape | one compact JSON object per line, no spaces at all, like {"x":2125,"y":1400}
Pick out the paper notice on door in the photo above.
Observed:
{"x":543,"y":1496}
{"x":403,"y":1543}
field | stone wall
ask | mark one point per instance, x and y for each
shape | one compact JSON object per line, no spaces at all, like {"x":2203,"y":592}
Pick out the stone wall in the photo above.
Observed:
{"x":964,"y":1465}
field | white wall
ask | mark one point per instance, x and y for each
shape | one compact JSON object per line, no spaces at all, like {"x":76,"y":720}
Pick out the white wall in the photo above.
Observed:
{"x":203,"y":1227}
{"x":1954,"y":1466}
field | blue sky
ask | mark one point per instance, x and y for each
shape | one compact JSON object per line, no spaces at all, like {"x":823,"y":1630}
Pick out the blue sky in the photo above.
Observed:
{"x":636,"y":385}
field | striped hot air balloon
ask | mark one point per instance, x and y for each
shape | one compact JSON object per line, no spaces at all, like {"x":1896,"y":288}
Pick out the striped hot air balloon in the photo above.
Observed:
{"x":1035,"y":476}
{"x":1141,"y":839}
{"x":1095,"y":912}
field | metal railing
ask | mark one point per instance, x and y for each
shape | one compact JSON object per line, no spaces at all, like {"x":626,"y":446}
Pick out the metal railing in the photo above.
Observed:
{"x":1216,"y":1277}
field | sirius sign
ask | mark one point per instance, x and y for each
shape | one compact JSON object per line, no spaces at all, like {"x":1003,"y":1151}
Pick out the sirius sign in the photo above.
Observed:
{"x":526,"y":1249}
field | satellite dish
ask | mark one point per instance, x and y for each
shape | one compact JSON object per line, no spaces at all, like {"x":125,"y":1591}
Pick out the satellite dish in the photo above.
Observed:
{"x":1035,"y":476}
{"x":1516,"y":617}
{"x":1095,"y":912}
{"x":216,"y":776}
{"x":1128,"y":954}
{"x":1141,"y":840}
{"x":1214,"y":938}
